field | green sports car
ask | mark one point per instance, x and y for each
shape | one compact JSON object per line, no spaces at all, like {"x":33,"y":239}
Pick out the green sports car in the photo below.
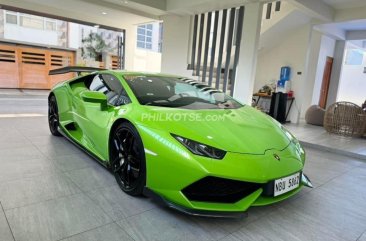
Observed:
{"x":191,"y":146}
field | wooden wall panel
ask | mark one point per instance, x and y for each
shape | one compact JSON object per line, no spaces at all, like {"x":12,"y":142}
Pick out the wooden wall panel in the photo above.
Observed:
{"x":27,"y":67}
{"x":115,"y":62}
{"x":59,"y":59}
{"x":9,"y":73}
{"x":33,"y":68}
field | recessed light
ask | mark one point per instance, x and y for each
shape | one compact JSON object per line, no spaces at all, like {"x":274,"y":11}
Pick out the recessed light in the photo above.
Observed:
{"x":104,"y":13}
{"x":96,"y":26}
{"x":125,"y":1}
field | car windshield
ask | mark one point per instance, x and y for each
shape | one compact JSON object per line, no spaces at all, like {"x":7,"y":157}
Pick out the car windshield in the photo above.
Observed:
{"x":178,"y":93}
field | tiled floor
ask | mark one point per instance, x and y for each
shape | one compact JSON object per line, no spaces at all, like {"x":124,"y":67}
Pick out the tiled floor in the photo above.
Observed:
{"x":317,"y":136}
{"x":49,"y":190}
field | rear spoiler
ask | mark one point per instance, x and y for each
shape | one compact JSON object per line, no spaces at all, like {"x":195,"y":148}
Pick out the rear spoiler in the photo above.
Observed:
{"x":73,"y":69}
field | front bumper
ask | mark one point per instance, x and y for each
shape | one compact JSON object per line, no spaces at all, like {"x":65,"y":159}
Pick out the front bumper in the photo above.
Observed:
{"x":230,"y":210}
{"x":171,"y":168}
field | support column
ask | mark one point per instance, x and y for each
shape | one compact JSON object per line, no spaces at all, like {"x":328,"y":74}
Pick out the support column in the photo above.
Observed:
{"x":339,"y":52}
{"x":176,"y":39}
{"x":245,"y":74}
{"x":130,"y":46}
{"x":304,"y":89}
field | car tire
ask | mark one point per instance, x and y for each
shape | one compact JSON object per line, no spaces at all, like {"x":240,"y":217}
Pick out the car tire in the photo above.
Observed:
{"x":127,"y":158}
{"x":53,"y":116}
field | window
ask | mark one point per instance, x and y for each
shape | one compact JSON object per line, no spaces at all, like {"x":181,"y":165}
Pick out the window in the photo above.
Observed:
{"x":141,"y":30}
{"x":50,"y":25}
{"x":144,"y":36}
{"x":140,"y":44}
{"x":11,"y":17}
{"x":98,"y":85}
{"x":176,"y":93}
{"x":111,"y":87}
{"x":30,"y":21}
{"x":160,"y":44}
{"x":354,"y":57}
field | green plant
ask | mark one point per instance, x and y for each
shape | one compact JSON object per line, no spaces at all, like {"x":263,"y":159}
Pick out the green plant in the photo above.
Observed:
{"x":93,"y":46}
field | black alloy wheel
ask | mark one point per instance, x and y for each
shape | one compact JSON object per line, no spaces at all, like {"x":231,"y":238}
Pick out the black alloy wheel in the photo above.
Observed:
{"x":128,"y":159}
{"x":53,"y":118}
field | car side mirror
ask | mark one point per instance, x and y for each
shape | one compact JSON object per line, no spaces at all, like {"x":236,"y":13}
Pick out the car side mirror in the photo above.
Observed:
{"x":95,"y":97}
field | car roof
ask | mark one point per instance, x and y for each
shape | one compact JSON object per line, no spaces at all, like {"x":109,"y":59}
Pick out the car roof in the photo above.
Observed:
{"x":137,"y":73}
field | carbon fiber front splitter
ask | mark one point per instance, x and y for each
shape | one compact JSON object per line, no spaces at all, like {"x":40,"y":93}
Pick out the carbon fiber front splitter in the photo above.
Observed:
{"x":202,"y":213}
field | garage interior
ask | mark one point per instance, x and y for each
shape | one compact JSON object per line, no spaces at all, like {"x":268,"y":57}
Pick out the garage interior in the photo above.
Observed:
{"x":52,"y":190}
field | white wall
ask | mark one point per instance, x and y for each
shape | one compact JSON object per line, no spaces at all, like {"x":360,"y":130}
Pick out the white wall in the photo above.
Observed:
{"x":148,"y":61}
{"x":73,"y":35}
{"x":326,"y":50}
{"x":18,"y":33}
{"x":352,"y":86}
{"x":304,"y":50}
{"x":292,"y":51}
{"x":140,"y":59}
{"x":143,"y":59}
{"x":176,"y":45}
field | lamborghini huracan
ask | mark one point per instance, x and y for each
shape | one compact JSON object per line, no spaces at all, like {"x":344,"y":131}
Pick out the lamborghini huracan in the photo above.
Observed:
{"x":182,"y":142}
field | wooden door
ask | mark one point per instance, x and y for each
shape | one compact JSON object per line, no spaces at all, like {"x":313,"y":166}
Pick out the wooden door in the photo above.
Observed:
{"x":325,"y":83}
{"x":33,"y":68}
{"x":9,"y":72}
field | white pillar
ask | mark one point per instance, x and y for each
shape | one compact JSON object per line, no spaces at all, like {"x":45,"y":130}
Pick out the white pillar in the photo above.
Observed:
{"x":176,"y":35}
{"x":339,"y":53}
{"x":130,"y":46}
{"x":305,"y":88}
{"x":245,"y":74}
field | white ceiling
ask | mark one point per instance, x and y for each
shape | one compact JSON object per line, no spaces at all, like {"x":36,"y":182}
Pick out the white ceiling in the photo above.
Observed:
{"x":339,"y":30}
{"x":353,"y":25}
{"x":153,"y":9}
{"x":343,"y":4}
{"x":85,"y":10}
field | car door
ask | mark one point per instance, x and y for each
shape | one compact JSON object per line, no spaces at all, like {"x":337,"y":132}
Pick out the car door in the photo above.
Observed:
{"x":97,"y":120}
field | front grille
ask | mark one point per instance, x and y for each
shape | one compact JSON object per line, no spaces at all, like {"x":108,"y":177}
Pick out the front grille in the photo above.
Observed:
{"x":219,"y":190}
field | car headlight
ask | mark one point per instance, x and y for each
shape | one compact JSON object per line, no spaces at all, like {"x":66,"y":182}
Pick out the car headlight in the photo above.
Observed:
{"x":296,"y":143}
{"x":200,"y":149}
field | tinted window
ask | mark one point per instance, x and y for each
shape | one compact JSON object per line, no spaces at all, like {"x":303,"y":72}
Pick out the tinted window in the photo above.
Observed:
{"x":178,"y":92}
{"x":111,"y":87}
{"x":97,"y":84}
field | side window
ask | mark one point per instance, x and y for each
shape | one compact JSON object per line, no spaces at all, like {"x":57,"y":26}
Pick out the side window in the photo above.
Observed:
{"x":98,"y":84}
{"x":111,"y":87}
{"x":112,"y":82}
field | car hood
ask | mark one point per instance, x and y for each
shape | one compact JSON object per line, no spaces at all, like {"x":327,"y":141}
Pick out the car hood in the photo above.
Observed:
{"x":243,"y":130}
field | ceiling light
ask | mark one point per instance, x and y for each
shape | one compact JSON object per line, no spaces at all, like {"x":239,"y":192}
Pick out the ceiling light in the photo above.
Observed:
{"x":96,"y":26}
{"x":104,"y":13}
{"x":125,"y":1}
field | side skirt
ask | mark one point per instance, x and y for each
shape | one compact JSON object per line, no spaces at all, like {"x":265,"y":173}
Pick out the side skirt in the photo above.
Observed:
{"x":69,"y":138}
